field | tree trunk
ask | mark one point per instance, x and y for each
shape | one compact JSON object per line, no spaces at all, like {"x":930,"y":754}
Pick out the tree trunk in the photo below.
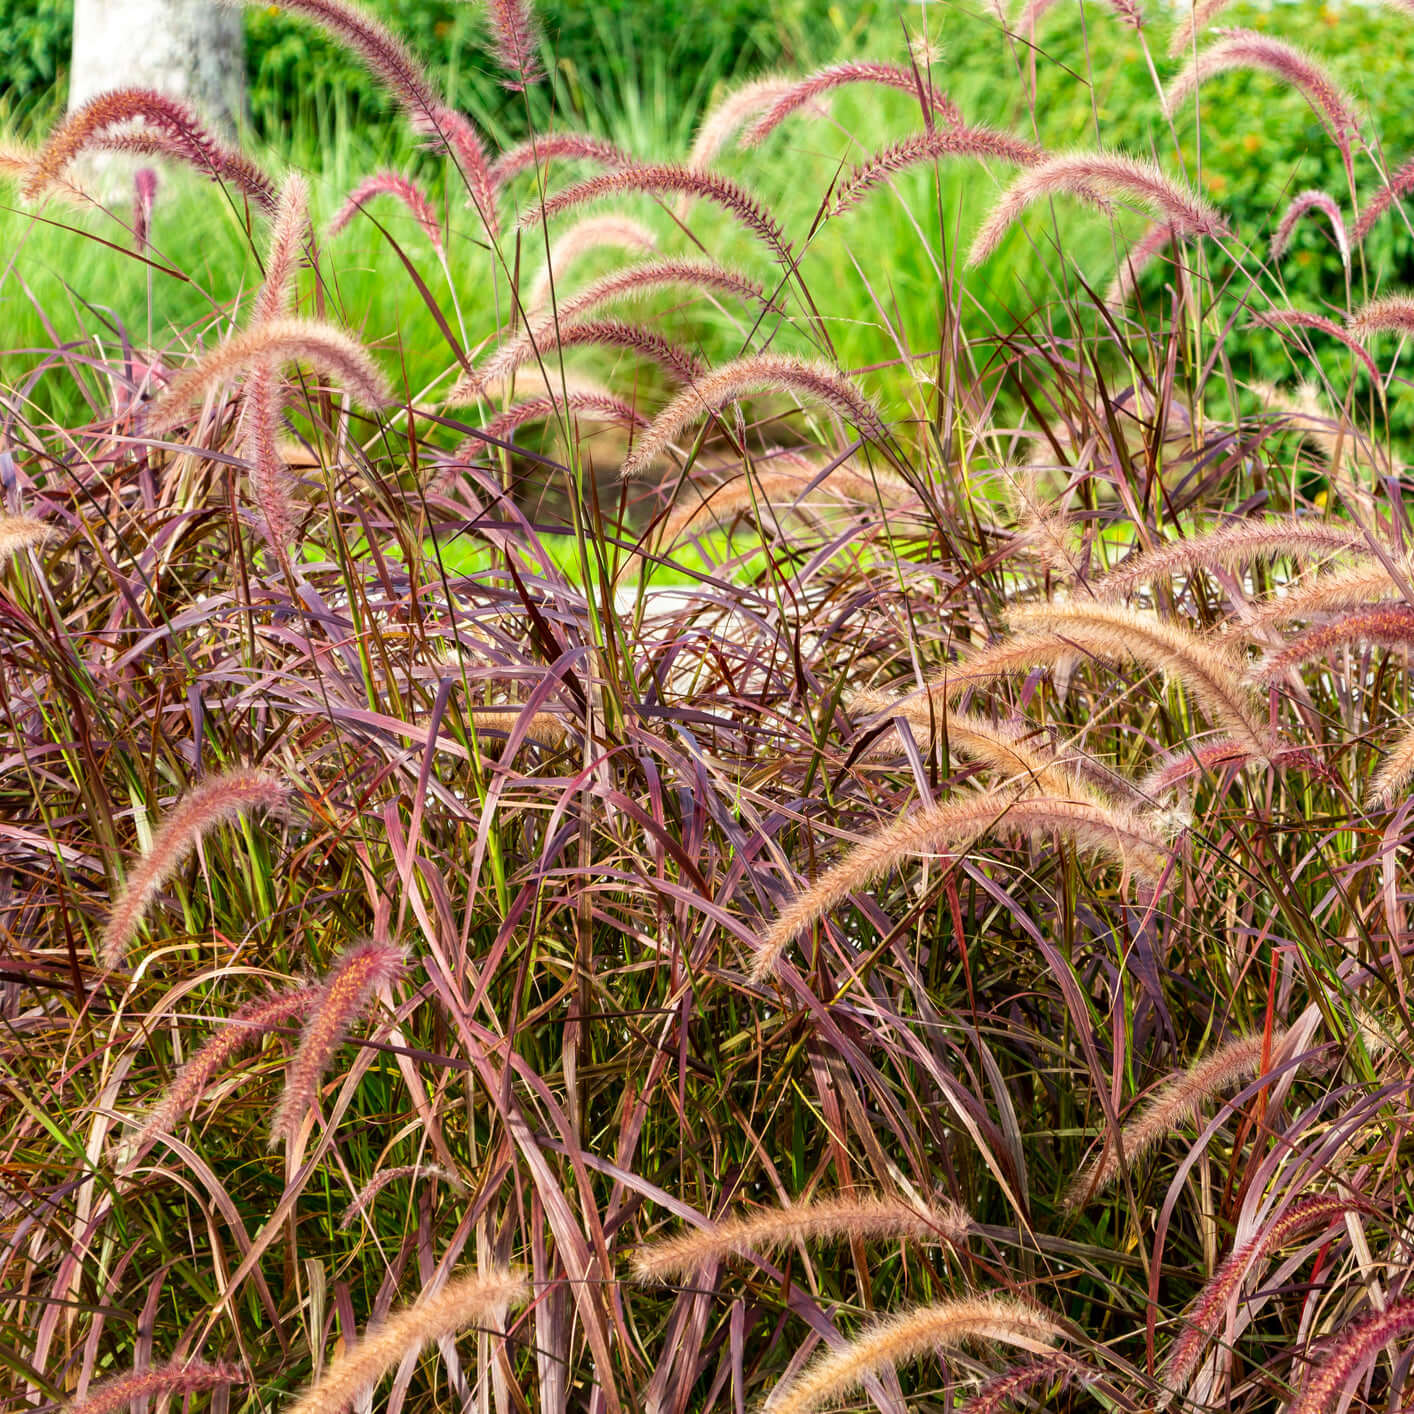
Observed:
{"x":187,"y":49}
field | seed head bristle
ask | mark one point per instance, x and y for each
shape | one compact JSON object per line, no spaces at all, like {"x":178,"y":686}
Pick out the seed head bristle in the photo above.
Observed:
{"x":1312,"y":200}
{"x":391,"y":184}
{"x":191,"y":1377}
{"x":379,"y":1182}
{"x":517,"y":45}
{"x":540,"y":148}
{"x":20,"y":533}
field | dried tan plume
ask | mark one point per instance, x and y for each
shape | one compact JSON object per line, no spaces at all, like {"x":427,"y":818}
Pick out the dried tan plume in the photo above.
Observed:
{"x":543,"y":728}
{"x":1112,"y":631}
{"x":1233,"y":547}
{"x":1176,"y":1103}
{"x":1342,"y":590}
{"x":19,"y":533}
{"x":834,"y":1219}
{"x":217,"y":800}
{"x":328,"y":350}
{"x":473,"y":1299}
{"x":1394,"y":775}
{"x":756,"y":373}
{"x":900,"y":1339}
{"x":951,"y":828}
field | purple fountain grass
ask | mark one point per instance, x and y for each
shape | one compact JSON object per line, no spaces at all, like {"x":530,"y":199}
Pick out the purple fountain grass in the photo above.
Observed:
{"x":952,"y":828}
{"x":593,"y":233}
{"x":1112,"y":631}
{"x":1204,"y":758}
{"x":756,"y":373}
{"x":1176,"y":1102}
{"x":725,"y":120}
{"x":1057,"y":1369}
{"x":1084,"y":174}
{"x":1311,"y":200}
{"x":1354,"y":587}
{"x":814,"y":86}
{"x":453,"y":133}
{"x":543,"y":728}
{"x":1246,"y":49}
{"x":1389,"y":626}
{"x":629,"y":282}
{"x":1349,"y":1353}
{"x":1395,"y":189}
{"x":541,"y":148}
{"x":16,"y":158}
{"x":593,"y":402}
{"x":377,"y":1184}
{"x":21,"y":533}
{"x":1137,"y":259}
{"x":1390,"y":314}
{"x":681,"y":363}
{"x":517,"y":42}
{"x":1394,"y":775}
{"x":357,"y":975}
{"x":789,"y":489}
{"x":217,"y":800}
{"x":471,"y":1299}
{"x":191,"y":1377}
{"x":328,"y":350}
{"x":391,"y":184}
{"x":1304,"y":319}
{"x":288,"y":232}
{"x":668,"y":179}
{"x":842,"y":1218}
{"x":384,"y":55}
{"x":252,"y":1022}
{"x":1233,"y":547}
{"x":900,"y":1339}
{"x":1199,"y":17}
{"x":144,"y":200}
{"x":1201,"y":1324}
{"x":175,"y":131}
{"x":930,"y":147}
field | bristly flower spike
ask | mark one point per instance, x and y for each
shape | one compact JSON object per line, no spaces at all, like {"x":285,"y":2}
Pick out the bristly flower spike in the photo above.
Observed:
{"x":517,"y":45}
{"x":191,"y":1377}
{"x":405,"y":190}
{"x":216,"y":801}
{"x":931,"y":147}
{"x":1305,"y":319}
{"x":546,"y":147}
{"x":356,"y":976}
{"x":19,"y":533}
{"x":1312,"y":200}
{"x":1352,"y":1349}
{"x":144,"y":199}
{"x":379,"y":1182}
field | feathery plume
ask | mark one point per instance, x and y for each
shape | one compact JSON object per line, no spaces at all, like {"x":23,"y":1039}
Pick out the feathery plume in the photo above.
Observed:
{"x":1086,"y":174}
{"x":1312,"y":200}
{"x":287,"y":233}
{"x":330,"y":351}
{"x":839,"y":1218}
{"x":379,"y":1182}
{"x":1351,"y":1350}
{"x":540,"y":148}
{"x":544,"y":728}
{"x":216,"y":801}
{"x":173,"y":130}
{"x":1317,"y":1210}
{"x":808,"y":90}
{"x":1112,"y":631}
{"x":270,"y":477}
{"x":725,"y":120}
{"x":791,"y":490}
{"x":664,"y":179}
{"x":952,"y":827}
{"x":1057,"y":1368}
{"x":1396,"y":772}
{"x":194,"y":1377}
{"x":1233,"y":546}
{"x":630,"y":282}
{"x":1043,"y":524}
{"x":1389,"y":626}
{"x":1175,"y":1103}
{"x":592,"y":233}
{"x":1400,"y":184}
{"x":382,"y":53}
{"x":1209,"y":756}
{"x":591,"y":402}
{"x":681,"y":363}
{"x":18,"y":533}
{"x":253,"y":1021}
{"x":391,"y":184}
{"x":930,"y":147}
{"x":899,"y":1339}
{"x":144,"y":200}
{"x":1304,"y":319}
{"x":357,"y":974}
{"x":1137,"y":259}
{"x":1200,"y":15}
{"x":756,"y":373}
{"x":517,"y":46}
{"x":470,"y":1299}
{"x":1354,"y":587}
{"x":16,"y":159}
{"x":453,"y":133}
{"x":1246,"y":49}
{"x":1391,"y":314}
